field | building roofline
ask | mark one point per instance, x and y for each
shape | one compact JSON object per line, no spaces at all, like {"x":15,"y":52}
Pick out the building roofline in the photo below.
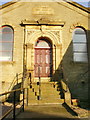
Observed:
{"x":75,"y":4}
{"x":8,"y":4}
{"x":68,"y":1}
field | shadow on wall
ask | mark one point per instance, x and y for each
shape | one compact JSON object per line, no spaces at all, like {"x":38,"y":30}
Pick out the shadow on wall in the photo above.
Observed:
{"x":75,"y":76}
{"x":58,"y":77}
{"x":10,"y":98}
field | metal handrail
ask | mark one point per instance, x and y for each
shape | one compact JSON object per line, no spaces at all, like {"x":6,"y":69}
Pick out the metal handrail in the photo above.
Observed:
{"x":14,"y":102}
{"x":11,"y":91}
{"x":15,"y":80}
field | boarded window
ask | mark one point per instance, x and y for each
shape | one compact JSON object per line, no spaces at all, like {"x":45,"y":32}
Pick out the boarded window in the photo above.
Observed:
{"x":79,"y":45}
{"x":6,"y":43}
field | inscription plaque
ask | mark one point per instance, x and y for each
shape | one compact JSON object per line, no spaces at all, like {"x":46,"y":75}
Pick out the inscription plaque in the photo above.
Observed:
{"x":43,"y":10}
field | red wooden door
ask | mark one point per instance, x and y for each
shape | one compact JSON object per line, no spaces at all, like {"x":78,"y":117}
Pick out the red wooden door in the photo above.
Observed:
{"x":43,"y":62}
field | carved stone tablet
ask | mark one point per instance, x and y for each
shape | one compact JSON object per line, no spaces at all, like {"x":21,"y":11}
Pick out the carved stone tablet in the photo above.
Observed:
{"x":43,"y":10}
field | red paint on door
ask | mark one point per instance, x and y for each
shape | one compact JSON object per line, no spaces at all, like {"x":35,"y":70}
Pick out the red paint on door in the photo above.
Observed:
{"x":43,"y":61}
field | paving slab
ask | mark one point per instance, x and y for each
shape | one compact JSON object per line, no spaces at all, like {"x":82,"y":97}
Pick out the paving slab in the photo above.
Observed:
{"x":46,"y":111}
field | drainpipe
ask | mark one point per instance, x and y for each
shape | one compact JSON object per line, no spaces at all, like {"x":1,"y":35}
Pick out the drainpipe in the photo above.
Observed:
{"x":23,"y":60}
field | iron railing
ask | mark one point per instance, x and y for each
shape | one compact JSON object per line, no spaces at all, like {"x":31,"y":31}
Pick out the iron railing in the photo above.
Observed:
{"x":14,"y":102}
{"x":17,"y":79}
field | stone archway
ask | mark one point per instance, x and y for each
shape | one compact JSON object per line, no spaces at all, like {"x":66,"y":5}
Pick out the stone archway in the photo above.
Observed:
{"x":52,"y":37}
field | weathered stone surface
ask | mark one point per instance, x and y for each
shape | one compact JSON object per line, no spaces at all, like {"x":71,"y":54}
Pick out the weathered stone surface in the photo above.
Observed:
{"x":60,"y":35}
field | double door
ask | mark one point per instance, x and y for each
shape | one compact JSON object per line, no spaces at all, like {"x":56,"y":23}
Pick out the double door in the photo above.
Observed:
{"x":43,"y":62}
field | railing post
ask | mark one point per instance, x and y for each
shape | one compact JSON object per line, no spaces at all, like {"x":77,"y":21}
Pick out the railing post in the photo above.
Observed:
{"x":14,"y":106}
{"x":39,"y":82}
{"x":22,"y":83}
{"x":27,"y":97}
{"x":39,"y":88}
{"x":23,"y":99}
{"x":30,"y":78}
{"x":6,"y":97}
{"x":17,"y":77}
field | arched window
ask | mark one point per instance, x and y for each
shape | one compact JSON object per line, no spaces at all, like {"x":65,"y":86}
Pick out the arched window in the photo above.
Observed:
{"x":6,"y":43}
{"x":79,"y":45}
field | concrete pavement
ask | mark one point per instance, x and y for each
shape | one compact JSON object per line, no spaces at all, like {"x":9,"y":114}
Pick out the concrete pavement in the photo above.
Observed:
{"x":47,"y":111}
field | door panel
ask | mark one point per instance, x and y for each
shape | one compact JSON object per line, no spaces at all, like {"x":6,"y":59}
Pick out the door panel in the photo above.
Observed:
{"x":42,"y":62}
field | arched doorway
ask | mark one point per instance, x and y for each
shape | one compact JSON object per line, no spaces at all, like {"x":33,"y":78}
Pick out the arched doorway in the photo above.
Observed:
{"x":43,"y":58}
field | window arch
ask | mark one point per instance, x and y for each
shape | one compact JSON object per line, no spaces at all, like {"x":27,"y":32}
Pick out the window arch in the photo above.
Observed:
{"x":79,"y":45}
{"x":6,"y":43}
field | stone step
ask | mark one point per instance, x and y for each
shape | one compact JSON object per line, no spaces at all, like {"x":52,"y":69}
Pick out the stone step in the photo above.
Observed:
{"x":49,"y":94}
{"x":45,"y":92}
{"x":46,"y":86}
{"x":44,"y":95}
{"x":45,"y":101}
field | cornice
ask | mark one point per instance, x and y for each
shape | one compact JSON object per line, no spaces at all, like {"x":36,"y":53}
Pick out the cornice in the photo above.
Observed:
{"x":42,"y":22}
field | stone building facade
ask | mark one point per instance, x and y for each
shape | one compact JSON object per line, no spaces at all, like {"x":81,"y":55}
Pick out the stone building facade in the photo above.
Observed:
{"x":47,"y":39}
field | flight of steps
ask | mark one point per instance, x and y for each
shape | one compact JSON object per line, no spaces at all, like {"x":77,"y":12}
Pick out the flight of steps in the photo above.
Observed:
{"x":50,"y":94}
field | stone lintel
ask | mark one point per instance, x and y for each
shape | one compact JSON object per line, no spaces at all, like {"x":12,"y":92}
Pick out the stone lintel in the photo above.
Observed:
{"x":39,"y":23}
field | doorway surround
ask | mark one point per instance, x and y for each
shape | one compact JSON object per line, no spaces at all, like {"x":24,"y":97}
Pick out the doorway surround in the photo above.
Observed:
{"x":34,"y":31}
